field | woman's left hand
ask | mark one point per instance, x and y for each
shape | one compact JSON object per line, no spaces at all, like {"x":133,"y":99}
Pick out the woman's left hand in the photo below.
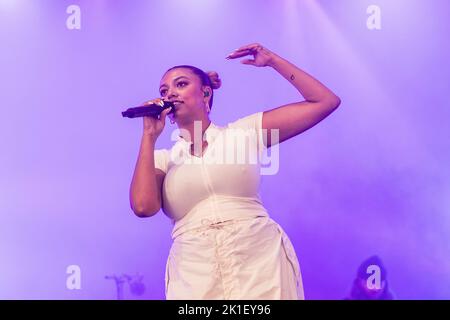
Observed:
{"x":262,"y":57}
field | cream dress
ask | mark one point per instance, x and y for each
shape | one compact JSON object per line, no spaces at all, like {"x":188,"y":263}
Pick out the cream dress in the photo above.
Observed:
{"x":225,"y":245}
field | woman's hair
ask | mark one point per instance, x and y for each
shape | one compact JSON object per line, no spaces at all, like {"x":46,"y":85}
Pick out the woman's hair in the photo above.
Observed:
{"x":209,"y":78}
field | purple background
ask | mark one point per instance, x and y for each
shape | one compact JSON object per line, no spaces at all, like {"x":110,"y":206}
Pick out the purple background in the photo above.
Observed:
{"x":373,"y":178}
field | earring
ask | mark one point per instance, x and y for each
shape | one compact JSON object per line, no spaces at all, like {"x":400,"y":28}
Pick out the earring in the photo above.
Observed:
{"x":208,"y":109}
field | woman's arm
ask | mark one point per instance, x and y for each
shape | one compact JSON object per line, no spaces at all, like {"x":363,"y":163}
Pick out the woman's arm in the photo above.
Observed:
{"x":145,"y":190}
{"x":294,"y":118}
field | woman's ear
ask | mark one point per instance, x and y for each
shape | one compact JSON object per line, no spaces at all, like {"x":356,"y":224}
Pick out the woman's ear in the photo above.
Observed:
{"x":206,"y":92}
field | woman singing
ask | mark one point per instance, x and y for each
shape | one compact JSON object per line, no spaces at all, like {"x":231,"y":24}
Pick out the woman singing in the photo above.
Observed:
{"x":225,"y":245}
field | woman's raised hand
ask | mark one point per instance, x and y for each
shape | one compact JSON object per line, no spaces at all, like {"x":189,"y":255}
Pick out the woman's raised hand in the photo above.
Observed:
{"x":262,"y":57}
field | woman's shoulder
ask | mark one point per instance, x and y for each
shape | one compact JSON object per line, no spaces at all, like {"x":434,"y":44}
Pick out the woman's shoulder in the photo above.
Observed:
{"x":162,"y":158}
{"x":247,"y":122}
{"x":162,"y":151}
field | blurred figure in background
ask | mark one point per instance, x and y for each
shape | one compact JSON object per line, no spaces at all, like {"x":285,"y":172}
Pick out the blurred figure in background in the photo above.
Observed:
{"x":371,"y":281}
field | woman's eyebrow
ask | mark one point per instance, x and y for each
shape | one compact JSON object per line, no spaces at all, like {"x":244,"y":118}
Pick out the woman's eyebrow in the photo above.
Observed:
{"x":165,"y":85}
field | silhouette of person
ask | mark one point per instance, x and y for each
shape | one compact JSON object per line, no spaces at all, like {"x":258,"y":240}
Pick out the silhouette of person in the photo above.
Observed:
{"x":371,"y":281}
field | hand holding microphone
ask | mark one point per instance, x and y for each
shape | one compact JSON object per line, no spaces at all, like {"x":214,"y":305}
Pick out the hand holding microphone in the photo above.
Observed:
{"x":152,"y":108}
{"x":154,"y":113}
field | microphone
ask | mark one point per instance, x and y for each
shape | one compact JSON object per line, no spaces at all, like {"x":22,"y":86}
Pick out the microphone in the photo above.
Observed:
{"x":152,"y":110}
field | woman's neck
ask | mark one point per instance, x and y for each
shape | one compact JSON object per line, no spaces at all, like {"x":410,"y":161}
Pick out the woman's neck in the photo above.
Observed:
{"x":193,"y":131}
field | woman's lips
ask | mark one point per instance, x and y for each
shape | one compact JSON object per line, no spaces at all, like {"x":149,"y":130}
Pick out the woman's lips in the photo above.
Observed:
{"x":177,"y":104}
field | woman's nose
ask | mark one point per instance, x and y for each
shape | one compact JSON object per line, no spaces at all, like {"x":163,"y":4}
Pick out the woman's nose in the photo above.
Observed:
{"x":171,"y":94}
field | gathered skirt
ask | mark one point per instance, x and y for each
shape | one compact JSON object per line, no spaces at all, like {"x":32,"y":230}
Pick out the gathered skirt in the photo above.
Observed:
{"x":238,"y":259}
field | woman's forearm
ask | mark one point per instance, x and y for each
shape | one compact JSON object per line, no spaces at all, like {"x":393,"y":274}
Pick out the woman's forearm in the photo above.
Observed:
{"x":309,"y":87}
{"x":144,"y":193}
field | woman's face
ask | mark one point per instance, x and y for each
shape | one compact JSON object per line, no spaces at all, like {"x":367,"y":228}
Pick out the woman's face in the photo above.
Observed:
{"x":183,"y":87}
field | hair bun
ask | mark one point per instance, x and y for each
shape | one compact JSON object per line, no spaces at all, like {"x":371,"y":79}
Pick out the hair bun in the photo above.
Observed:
{"x":214,"y":78}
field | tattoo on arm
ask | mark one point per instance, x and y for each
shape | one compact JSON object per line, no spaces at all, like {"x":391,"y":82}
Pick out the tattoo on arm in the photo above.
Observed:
{"x":292,"y":77}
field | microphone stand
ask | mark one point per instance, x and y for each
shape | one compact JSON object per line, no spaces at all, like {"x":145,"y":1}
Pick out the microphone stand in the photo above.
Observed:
{"x":136,"y":286}
{"x":119,"y":284}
